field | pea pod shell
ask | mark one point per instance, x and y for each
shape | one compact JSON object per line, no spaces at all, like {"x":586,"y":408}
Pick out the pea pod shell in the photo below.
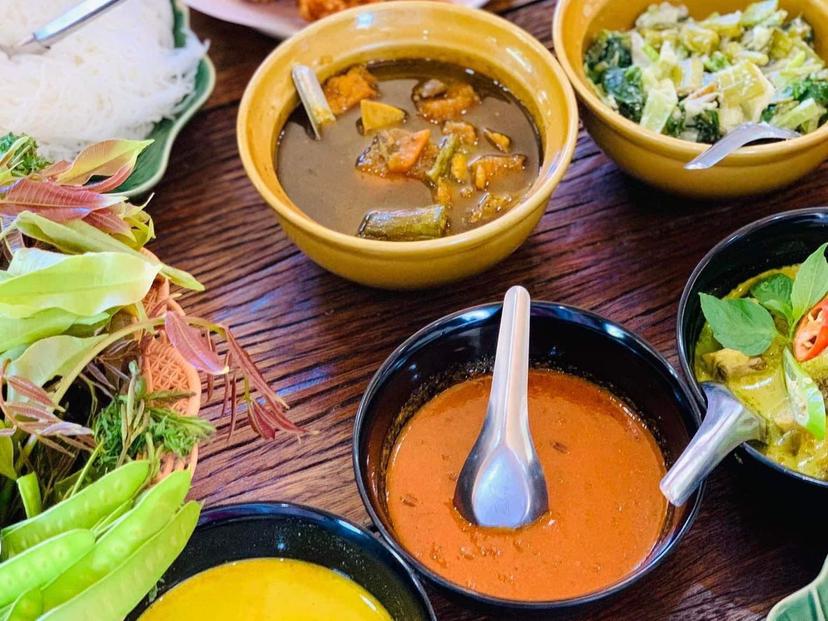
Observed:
{"x":151,"y":513}
{"x":112,"y":597}
{"x":41,"y":563}
{"x":83,"y":510}
{"x":27,"y":607}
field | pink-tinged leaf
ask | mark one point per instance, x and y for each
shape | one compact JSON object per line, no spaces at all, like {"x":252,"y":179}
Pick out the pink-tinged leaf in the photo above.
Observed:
{"x":258,"y":420}
{"x":55,"y":169}
{"x":107,"y":185}
{"x":53,"y":201}
{"x":275,"y":405}
{"x":51,"y":443}
{"x":104,"y":159}
{"x":65,"y":428}
{"x":30,"y":390}
{"x":109,"y":222}
{"x":7,"y":431}
{"x":192,"y":345}
{"x":35,"y":413}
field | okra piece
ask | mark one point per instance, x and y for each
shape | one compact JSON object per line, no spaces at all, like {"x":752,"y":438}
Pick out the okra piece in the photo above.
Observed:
{"x":83,"y":510}
{"x":443,"y":160}
{"x":41,"y":563}
{"x":405,"y":224}
{"x":113,"y":596}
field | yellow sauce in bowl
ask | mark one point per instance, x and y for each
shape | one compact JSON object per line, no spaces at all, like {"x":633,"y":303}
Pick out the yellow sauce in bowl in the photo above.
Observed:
{"x":265,"y":589}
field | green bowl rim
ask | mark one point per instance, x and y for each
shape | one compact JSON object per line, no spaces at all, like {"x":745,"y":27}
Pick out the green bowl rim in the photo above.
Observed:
{"x":183,"y":117}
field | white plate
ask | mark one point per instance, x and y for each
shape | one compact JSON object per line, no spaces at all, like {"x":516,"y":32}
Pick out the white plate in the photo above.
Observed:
{"x":278,"y":19}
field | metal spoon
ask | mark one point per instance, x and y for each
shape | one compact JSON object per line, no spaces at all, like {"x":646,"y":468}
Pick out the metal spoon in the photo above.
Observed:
{"x":739,"y":137}
{"x":725,"y":426}
{"x":44,"y":37}
{"x":502,"y":483}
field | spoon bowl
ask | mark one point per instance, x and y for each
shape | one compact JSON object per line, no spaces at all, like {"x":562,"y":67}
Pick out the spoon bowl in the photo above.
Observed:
{"x":501,"y":484}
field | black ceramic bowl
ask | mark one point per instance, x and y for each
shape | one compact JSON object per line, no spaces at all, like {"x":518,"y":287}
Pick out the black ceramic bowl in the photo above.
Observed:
{"x":236,"y":532}
{"x":776,"y":241}
{"x":562,"y":337}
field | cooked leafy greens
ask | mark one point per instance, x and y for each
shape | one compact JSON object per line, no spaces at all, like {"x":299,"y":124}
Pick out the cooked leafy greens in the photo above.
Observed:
{"x":699,"y":79}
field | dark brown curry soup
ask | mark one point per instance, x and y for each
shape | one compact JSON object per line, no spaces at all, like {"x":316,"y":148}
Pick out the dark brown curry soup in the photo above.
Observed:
{"x":320,"y":177}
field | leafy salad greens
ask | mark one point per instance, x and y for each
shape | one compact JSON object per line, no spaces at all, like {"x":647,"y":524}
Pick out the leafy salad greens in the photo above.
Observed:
{"x":699,"y":79}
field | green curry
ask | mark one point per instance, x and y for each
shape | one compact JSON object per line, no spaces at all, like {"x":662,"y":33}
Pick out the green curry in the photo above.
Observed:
{"x":766,"y":341}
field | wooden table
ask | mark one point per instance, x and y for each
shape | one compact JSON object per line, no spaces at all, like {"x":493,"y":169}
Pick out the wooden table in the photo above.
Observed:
{"x":606,"y":243}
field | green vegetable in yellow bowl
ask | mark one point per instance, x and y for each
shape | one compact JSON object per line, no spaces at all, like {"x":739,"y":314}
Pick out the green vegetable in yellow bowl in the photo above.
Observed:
{"x":768,"y":342}
{"x":697,"y":79}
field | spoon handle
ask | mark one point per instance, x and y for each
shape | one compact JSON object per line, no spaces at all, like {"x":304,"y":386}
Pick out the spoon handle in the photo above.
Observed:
{"x":508,"y":400}
{"x":80,"y":14}
{"x":736,"y":139}
{"x":725,"y":426}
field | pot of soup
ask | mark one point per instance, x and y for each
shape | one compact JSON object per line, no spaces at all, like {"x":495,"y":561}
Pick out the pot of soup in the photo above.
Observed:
{"x":608,"y":416}
{"x":438,"y":152}
{"x":752,"y":319}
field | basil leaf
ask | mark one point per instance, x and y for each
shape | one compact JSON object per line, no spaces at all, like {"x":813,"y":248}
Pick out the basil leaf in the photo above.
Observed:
{"x":774,"y":293}
{"x":805,"y":397}
{"x":739,"y":324}
{"x":811,"y":283}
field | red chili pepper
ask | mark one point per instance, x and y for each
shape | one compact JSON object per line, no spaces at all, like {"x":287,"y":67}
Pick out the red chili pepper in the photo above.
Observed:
{"x":812,"y":333}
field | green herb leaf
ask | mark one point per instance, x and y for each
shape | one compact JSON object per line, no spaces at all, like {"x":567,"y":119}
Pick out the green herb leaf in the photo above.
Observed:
{"x":805,"y":397}
{"x":49,"y":358}
{"x":17,"y":332}
{"x":739,"y":324}
{"x":7,"y":457}
{"x":76,"y":237}
{"x":811,"y":283}
{"x":774,"y":293}
{"x":28,"y":487}
{"x":86,"y":284}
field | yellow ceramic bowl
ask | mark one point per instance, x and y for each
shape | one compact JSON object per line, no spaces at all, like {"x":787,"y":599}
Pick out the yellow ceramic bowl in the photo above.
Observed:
{"x":391,"y":31}
{"x":657,"y":159}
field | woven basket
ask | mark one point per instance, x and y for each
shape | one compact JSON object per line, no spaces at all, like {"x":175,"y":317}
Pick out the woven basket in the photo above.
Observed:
{"x":165,"y":369}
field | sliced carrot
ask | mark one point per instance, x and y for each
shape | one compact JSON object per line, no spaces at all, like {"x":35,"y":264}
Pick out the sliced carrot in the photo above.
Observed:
{"x":410,"y":147}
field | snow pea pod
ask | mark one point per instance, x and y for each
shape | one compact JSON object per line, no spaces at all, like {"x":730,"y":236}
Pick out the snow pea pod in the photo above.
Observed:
{"x":118,"y":592}
{"x":41,"y":563}
{"x":83,"y":510}
{"x":151,"y":513}
{"x":27,"y":607}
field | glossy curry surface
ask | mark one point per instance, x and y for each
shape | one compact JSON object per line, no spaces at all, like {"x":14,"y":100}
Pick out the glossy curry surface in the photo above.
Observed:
{"x":265,"y":589}
{"x":602,"y":468}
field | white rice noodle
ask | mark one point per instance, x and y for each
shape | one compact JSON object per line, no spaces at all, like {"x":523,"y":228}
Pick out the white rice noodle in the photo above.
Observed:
{"x":114,"y":78}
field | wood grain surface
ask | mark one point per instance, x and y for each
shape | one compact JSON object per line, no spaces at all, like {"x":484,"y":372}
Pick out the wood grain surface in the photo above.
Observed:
{"x":606,"y":243}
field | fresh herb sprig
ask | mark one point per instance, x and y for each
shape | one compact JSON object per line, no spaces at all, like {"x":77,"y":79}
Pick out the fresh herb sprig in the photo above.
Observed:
{"x":748,"y":325}
{"x":138,"y":423}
